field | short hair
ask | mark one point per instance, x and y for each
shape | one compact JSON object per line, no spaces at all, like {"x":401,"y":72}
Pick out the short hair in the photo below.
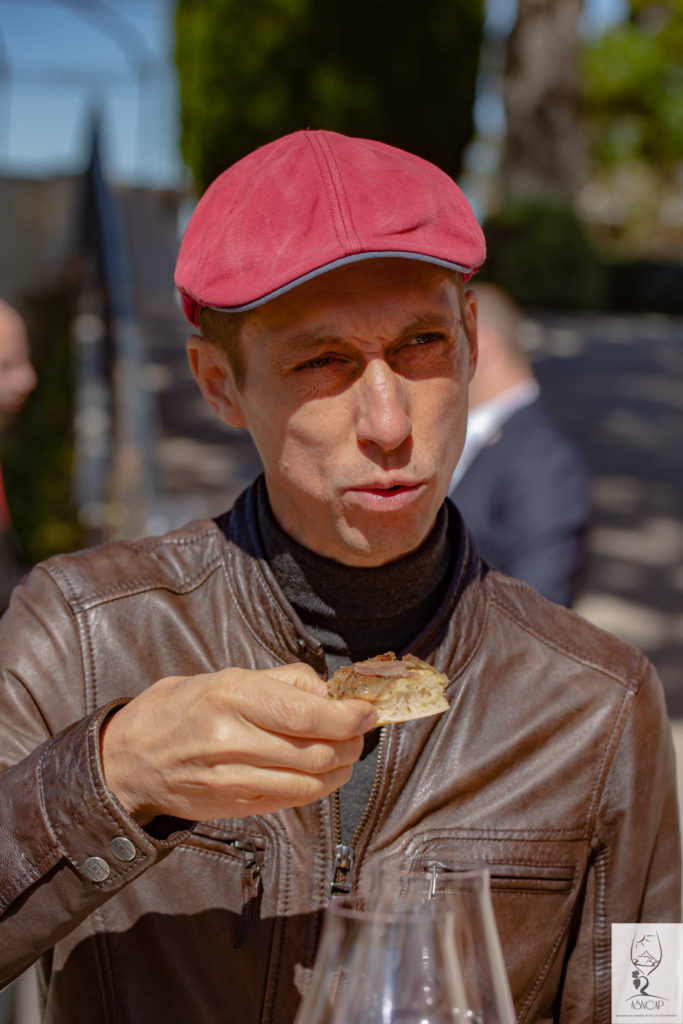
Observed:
{"x":459,"y":281}
{"x":223,"y":329}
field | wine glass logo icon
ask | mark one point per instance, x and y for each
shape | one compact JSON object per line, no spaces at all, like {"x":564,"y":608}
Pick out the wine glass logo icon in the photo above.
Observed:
{"x":646,"y":956}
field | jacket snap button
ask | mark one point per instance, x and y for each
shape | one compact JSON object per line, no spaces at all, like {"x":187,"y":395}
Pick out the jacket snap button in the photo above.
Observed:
{"x":122,"y":848}
{"x":96,"y":868}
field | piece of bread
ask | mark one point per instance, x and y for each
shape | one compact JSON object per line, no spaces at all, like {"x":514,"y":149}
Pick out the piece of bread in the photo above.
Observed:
{"x":400,"y":689}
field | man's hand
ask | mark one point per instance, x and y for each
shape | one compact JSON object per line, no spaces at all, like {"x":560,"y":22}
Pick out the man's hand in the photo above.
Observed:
{"x":231,"y":743}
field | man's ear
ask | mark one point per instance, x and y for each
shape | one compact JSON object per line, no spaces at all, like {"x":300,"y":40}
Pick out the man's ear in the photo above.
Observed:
{"x":470,"y":314}
{"x":211,"y":369}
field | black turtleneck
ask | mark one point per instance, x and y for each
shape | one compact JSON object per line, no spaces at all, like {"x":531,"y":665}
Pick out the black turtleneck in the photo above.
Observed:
{"x":357,"y":613}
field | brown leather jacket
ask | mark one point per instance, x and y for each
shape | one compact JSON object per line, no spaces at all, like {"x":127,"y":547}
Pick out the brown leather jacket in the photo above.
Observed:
{"x":554,"y":765}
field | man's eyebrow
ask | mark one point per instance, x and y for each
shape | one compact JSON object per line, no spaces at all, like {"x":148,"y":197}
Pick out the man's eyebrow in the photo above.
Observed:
{"x":430,"y":321}
{"x":311,"y":339}
{"x":324,"y":335}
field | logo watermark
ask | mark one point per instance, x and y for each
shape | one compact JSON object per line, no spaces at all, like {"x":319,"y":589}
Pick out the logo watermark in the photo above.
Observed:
{"x":647,"y":973}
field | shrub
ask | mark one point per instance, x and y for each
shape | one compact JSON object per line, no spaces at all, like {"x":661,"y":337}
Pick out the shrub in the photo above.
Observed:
{"x":540,"y":253}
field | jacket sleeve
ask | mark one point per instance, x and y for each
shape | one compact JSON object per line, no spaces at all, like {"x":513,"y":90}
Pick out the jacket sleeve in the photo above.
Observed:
{"x":635,"y":874}
{"x":66,"y":844}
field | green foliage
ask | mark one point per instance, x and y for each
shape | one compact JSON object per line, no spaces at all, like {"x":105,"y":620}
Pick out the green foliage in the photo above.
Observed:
{"x":38,"y":447}
{"x":540,"y":253}
{"x":633,"y":87}
{"x":383,"y":69}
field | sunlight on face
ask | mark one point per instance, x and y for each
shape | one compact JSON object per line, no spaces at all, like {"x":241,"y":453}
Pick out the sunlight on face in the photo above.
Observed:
{"x":356,"y":398}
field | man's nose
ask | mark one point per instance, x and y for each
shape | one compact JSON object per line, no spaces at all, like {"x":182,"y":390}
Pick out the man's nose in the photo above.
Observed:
{"x":382,"y":416}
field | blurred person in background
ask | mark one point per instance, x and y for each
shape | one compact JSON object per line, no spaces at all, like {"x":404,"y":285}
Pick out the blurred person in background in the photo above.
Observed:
{"x":521,"y":485}
{"x":17,"y":381}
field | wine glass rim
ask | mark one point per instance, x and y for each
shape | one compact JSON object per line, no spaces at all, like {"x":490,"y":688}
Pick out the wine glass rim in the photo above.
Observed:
{"x":435,"y":871}
{"x":384,"y":908}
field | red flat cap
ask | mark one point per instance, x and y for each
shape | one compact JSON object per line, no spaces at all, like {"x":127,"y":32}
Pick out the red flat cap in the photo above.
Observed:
{"x":312,"y":201}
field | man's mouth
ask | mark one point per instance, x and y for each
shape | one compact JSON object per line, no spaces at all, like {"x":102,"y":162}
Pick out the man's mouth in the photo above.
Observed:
{"x":387,"y":491}
{"x":375,"y":497}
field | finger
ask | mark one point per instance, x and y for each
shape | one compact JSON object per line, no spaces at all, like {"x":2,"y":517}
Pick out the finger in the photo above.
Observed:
{"x":305,"y":678}
{"x":254,"y":791}
{"x":289,"y":753}
{"x":317,"y":758}
{"x":290,"y":711}
{"x":300,"y":675}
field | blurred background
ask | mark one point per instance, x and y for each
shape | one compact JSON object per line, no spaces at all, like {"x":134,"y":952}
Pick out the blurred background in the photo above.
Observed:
{"x":563,"y":122}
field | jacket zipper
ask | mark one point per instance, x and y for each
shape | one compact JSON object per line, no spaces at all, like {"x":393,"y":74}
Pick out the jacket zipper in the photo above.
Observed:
{"x":251,"y":888}
{"x":341,"y":882}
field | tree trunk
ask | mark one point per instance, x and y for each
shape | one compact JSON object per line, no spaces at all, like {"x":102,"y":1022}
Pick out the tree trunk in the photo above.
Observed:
{"x":544,"y":153}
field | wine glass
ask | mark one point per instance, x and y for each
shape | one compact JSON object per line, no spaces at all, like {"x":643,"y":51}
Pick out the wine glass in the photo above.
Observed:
{"x":469,"y":895}
{"x":480,"y":957}
{"x":386,"y":961}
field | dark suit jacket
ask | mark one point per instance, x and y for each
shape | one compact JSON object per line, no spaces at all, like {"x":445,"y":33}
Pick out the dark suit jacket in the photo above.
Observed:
{"x":526,"y":499}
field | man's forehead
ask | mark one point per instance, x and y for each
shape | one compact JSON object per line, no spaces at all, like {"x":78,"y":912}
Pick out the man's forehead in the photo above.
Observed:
{"x":404,"y":288}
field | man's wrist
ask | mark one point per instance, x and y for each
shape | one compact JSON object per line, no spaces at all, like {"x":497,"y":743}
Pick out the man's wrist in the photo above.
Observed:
{"x":116,"y":780}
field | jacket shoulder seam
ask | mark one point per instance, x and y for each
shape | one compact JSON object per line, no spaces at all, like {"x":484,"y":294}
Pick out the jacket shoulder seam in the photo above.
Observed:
{"x":631,"y":679}
{"x":245,"y":621}
{"x":615,"y":734}
{"x":138,"y":585}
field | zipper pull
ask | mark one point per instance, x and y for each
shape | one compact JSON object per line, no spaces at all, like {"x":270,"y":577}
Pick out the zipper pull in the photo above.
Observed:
{"x":342,"y":872}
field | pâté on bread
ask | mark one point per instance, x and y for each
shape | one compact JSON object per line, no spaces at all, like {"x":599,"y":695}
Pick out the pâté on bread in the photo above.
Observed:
{"x":401,"y":689}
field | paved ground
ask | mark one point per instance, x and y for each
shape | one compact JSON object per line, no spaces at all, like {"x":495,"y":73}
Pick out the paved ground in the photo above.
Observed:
{"x":616,"y":384}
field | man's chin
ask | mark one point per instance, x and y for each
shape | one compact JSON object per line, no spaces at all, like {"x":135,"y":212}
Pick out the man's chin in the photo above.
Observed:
{"x":372,"y":548}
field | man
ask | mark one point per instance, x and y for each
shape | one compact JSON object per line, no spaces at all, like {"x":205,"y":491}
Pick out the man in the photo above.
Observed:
{"x":180,"y":799}
{"x":17,"y":381}
{"x":521,"y":486}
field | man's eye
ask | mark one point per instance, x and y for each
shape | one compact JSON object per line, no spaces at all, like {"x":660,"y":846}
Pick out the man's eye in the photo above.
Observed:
{"x":426,"y":338}
{"x":317,"y":363}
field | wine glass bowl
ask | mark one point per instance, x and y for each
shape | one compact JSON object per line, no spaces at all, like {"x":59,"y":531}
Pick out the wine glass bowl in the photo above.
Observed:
{"x":384,"y":962}
{"x":420,"y":948}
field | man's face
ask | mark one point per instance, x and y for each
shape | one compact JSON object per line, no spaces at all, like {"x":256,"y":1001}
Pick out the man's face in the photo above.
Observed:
{"x":17,"y":376}
{"x":356,"y":397}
